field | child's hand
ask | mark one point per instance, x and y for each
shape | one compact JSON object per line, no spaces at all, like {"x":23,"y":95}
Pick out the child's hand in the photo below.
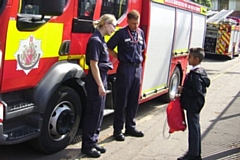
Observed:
{"x":180,"y":89}
{"x":177,"y":96}
{"x":179,"y":92}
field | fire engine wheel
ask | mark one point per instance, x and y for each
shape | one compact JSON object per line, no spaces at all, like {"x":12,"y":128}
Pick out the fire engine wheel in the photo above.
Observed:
{"x":60,"y":121}
{"x":173,"y":85}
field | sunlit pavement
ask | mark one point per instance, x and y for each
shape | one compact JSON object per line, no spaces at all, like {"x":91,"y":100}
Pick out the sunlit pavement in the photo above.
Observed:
{"x":220,"y":123}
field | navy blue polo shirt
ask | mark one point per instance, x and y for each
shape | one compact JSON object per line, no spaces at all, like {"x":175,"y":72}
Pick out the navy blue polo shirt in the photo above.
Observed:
{"x":97,"y":50}
{"x":130,"y":45}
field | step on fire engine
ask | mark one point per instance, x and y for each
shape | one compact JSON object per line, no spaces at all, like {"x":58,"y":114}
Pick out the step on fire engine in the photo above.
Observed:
{"x":42,"y":61}
{"x":223,"y":34}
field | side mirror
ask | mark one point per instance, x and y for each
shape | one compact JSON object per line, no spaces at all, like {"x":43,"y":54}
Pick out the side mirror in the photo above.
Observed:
{"x":51,"y":8}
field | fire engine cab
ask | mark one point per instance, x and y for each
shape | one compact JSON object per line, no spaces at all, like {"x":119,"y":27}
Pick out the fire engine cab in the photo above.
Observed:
{"x":42,"y":61}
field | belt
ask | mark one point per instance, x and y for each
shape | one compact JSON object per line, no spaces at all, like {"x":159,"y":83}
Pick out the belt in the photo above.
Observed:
{"x":135,"y":65}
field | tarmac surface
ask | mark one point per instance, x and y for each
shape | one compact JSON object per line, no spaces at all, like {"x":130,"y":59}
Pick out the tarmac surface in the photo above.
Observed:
{"x":219,"y":119}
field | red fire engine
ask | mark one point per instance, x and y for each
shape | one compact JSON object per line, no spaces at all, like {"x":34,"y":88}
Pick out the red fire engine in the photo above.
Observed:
{"x":42,"y":61}
{"x":223,"y":34}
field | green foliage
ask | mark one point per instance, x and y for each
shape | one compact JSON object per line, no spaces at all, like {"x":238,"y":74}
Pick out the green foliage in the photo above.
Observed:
{"x":204,"y":2}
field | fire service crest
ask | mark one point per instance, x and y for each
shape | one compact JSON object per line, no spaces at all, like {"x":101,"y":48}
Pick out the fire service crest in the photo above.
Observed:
{"x":28,"y":54}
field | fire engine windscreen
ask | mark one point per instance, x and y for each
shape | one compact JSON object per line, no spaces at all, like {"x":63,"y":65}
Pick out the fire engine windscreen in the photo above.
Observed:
{"x":116,"y":7}
{"x":86,"y":9}
{"x":32,"y":6}
{"x":2,"y":5}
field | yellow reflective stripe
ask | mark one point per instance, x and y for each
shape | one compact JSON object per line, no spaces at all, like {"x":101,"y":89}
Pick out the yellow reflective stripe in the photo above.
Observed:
{"x":221,"y":47}
{"x":81,"y":58}
{"x":71,"y":57}
{"x":62,"y":58}
{"x":50,"y":36}
{"x":226,"y":37}
{"x":180,"y":50}
{"x":154,"y":88}
{"x":83,"y":63}
{"x":158,"y":1}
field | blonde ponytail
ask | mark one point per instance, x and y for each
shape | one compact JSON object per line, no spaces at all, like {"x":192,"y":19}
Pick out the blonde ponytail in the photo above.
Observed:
{"x":106,"y":18}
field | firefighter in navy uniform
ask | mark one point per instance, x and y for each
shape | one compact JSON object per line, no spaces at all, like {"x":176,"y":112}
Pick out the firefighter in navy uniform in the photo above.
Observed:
{"x":97,"y":58}
{"x":130,"y":42}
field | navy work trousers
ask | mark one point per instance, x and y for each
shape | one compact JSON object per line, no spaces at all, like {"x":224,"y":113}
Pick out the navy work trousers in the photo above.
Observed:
{"x":93,"y":116}
{"x":194,"y":134}
{"x":127,"y":96}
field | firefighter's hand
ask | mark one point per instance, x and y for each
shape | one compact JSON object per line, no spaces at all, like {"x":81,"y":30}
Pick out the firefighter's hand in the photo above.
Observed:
{"x":101,"y":91}
{"x":144,"y":56}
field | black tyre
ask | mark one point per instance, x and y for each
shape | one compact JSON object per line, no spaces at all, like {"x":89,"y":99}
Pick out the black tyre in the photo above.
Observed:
{"x":173,"y":86}
{"x":60,"y":121}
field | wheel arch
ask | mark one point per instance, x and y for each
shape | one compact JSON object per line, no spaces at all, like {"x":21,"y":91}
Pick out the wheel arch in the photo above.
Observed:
{"x":81,"y":91}
{"x":179,"y":66}
{"x":176,"y":69}
{"x":79,"y":87}
{"x":62,"y":73}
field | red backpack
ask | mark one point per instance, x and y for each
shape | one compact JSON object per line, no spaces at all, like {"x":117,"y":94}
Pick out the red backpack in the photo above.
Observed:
{"x":175,"y":116}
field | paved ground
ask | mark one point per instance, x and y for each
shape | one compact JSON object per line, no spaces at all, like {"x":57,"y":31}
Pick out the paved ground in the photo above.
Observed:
{"x":220,"y":123}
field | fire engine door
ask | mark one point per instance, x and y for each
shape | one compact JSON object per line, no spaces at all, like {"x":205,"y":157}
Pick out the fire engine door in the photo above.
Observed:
{"x":159,"y":49}
{"x":28,"y":44}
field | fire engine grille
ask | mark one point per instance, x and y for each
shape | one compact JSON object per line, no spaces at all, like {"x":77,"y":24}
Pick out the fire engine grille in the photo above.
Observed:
{"x":20,"y":133}
{"x":19,"y":106}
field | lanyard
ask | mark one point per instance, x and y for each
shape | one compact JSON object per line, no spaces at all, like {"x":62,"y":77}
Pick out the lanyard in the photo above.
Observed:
{"x":133,"y":40}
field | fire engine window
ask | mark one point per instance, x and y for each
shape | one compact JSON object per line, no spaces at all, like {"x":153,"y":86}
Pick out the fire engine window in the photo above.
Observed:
{"x":86,"y":9}
{"x":2,"y":5}
{"x":31,"y":6}
{"x":115,"y":7}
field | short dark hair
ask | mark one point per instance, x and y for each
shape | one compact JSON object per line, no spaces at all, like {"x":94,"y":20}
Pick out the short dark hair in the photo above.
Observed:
{"x":197,"y":53}
{"x":133,"y":14}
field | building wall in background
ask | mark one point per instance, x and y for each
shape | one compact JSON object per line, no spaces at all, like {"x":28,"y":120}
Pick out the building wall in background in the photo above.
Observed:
{"x":238,"y":5}
{"x":225,"y":4}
